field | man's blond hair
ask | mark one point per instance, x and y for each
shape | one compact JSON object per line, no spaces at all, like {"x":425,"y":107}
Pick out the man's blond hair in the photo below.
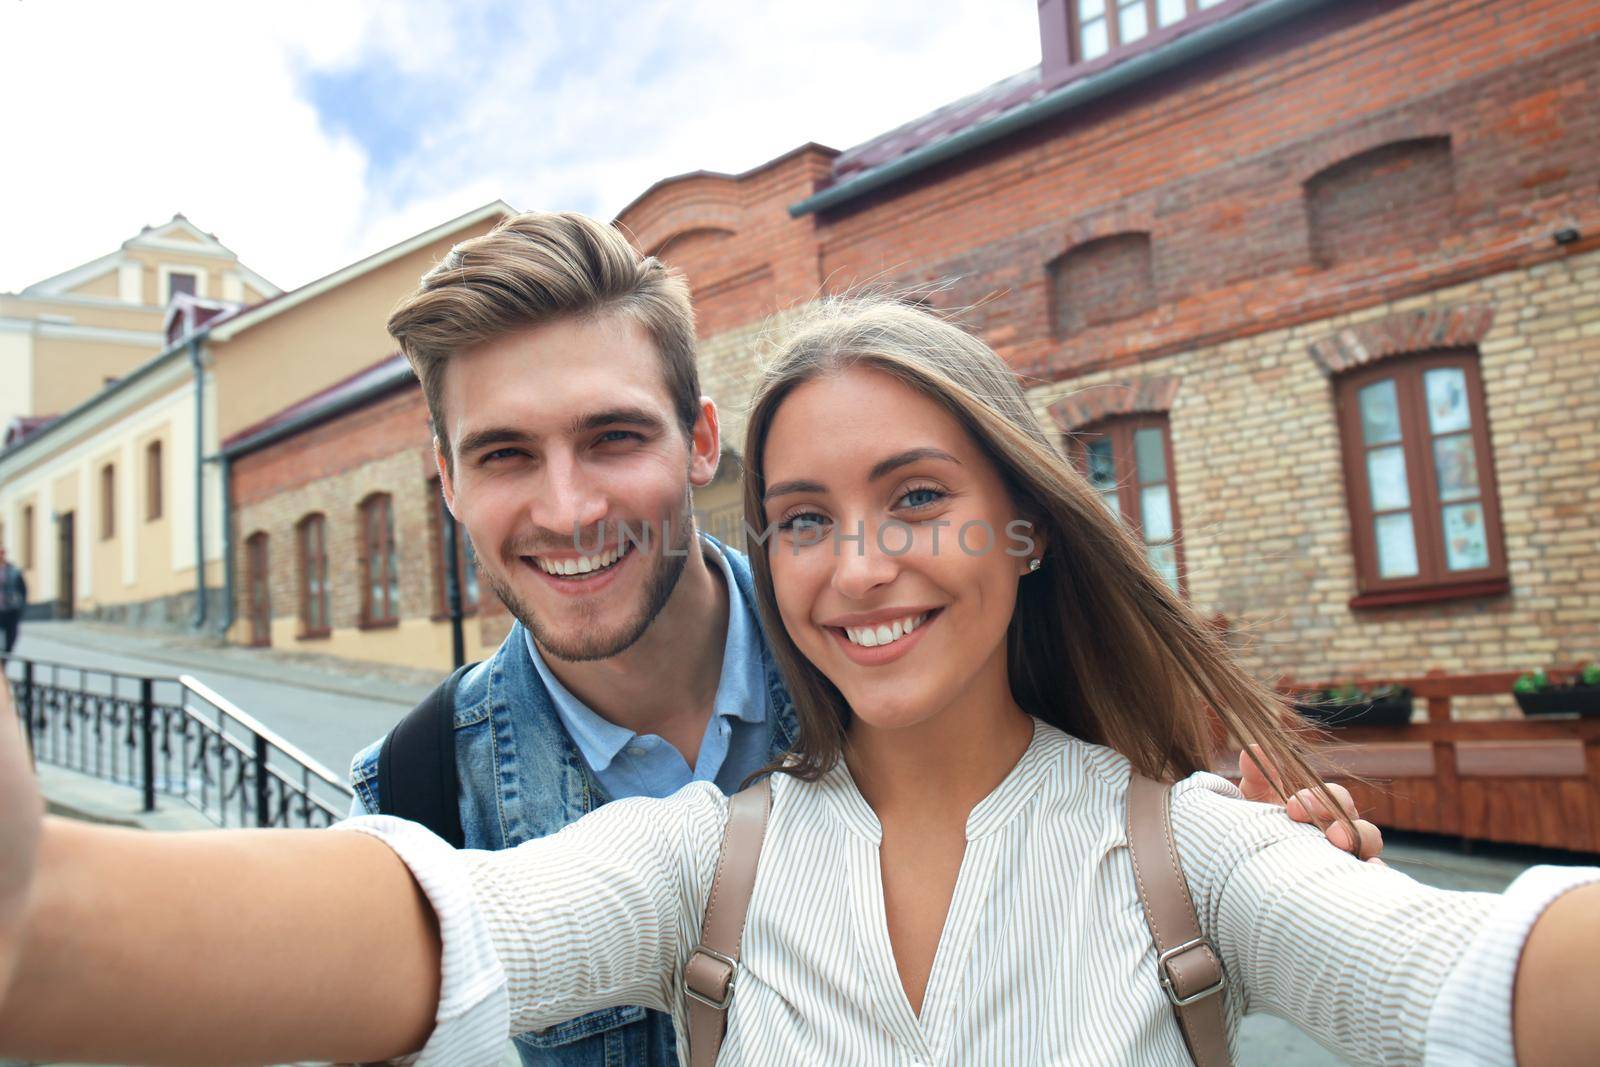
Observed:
{"x":536,"y":268}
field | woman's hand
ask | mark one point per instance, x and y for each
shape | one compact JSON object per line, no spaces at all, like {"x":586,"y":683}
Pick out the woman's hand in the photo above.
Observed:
{"x":1258,"y":782}
{"x":20,"y":813}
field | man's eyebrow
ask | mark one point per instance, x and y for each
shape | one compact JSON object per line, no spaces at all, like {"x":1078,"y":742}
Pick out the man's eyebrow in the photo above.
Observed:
{"x":626,"y":416}
{"x":879,"y":469}
{"x":489,"y":436}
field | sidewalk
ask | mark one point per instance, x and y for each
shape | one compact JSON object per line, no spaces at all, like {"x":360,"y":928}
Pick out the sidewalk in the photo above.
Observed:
{"x":306,"y":670}
{"x":88,"y":799}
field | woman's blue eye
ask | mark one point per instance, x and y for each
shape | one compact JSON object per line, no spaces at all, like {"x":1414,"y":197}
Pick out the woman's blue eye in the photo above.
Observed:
{"x":805,"y":520}
{"x":920,"y":498}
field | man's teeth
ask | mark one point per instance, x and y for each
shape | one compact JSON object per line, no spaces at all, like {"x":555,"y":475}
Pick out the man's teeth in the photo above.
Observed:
{"x":579,"y":564}
{"x":884,"y":633}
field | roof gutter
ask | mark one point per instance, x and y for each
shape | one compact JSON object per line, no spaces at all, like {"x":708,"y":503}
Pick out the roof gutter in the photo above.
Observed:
{"x":1073,"y":95}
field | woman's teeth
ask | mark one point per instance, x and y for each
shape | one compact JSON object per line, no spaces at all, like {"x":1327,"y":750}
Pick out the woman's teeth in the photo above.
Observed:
{"x":580,"y":564}
{"x":884,"y":633}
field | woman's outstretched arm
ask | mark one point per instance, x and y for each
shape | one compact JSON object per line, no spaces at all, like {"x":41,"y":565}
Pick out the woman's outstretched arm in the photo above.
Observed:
{"x":204,"y":948}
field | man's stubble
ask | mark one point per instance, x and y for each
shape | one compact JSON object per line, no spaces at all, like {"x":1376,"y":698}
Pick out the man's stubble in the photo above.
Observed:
{"x":580,"y":643}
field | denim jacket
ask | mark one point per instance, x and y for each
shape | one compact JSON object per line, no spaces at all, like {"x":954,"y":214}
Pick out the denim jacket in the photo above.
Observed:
{"x":522,"y":777}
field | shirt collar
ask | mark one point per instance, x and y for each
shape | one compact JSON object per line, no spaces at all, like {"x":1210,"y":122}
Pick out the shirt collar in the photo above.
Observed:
{"x":741,"y":688}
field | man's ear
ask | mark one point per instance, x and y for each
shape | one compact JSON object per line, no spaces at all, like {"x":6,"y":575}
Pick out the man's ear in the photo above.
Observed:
{"x":705,"y":445}
{"x":447,"y":482}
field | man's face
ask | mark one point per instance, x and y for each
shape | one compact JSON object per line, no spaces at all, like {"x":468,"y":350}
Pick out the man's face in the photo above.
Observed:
{"x":564,"y":436}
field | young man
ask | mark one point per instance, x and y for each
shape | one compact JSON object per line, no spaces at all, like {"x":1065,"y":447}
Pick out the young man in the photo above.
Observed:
{"x":13,"y":600}
{"x":558,"y":368}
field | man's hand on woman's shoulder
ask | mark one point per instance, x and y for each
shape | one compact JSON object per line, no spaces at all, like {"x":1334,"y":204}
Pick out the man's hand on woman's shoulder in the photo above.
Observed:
{"x":1308,"y":807}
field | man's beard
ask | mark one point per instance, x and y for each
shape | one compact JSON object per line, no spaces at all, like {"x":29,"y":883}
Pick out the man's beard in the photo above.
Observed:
{"x":582,"y":644}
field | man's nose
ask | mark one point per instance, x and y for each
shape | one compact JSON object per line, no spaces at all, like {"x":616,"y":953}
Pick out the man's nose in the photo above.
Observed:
{"x":570,"y":501}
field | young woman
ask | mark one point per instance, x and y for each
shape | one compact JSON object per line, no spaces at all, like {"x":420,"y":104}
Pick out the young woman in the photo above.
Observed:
{"x":980,"y":658}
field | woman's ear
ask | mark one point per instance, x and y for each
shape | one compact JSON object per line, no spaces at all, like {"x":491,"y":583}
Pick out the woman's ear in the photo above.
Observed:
{"x":1026,"y":541}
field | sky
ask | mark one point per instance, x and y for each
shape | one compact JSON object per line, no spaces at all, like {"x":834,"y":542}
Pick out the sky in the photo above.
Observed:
{"x":306,"y":135}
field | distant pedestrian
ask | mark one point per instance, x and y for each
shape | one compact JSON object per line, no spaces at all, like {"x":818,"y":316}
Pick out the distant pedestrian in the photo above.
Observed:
{"x":13,"y":598}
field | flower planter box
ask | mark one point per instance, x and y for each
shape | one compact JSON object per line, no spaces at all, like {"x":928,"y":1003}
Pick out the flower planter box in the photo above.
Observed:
{"x":1389,"y":711}
{"x":1561,"y":700}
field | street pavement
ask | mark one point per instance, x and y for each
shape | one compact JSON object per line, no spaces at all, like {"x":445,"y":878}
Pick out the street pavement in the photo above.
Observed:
{"x":332,"y":708}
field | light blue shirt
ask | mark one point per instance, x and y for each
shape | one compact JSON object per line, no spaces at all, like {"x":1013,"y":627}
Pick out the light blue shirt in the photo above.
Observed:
{"x":738,"y":737}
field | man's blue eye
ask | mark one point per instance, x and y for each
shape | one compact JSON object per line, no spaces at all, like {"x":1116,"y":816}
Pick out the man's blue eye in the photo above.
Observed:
{"x":617,"y":435}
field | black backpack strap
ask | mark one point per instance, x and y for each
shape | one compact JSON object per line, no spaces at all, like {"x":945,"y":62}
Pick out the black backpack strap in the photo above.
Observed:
{"x":417,"y":764}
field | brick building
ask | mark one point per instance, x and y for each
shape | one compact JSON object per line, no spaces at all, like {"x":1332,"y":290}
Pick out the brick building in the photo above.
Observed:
{"x":1312,"y":291}
{"x":1309,"y":289}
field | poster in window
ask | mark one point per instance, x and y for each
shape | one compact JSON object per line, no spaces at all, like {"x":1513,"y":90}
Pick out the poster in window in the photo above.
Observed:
{"x":1455,"y":463}
{"x":1466,"y":548}
{"x":1447,"y":400}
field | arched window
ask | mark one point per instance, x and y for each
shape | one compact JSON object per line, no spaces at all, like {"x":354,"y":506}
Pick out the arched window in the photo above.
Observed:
{"x":1398,"y":197}
{"x":1101,"y":281}
{"x":311,"y":535}
{"x":258,"y":591}
{"x":1128,"y":462}
{"x":1419,"y":475}
{"x":380,"y":589}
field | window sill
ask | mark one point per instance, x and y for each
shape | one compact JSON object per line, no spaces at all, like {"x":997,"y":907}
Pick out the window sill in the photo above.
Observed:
{"x":312,"y":635}
{"x":1391,"y":598}
{"x":378,"y":624}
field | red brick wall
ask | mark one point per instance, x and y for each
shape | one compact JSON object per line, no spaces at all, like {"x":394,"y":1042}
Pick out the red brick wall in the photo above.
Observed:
{"x":1212,"y":163}
{"x":394,"y":423}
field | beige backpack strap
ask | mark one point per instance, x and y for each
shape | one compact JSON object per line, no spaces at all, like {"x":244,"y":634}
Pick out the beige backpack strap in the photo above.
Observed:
{"x":709,"y":973}
{"x":1190,"y":969}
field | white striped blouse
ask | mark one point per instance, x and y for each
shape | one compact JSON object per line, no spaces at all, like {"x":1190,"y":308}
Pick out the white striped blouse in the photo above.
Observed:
{"x":1045,"y":957}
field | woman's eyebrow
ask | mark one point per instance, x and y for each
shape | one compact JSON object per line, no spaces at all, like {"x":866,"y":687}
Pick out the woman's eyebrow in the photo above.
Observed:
{"x":900,"y":459}
{"x":879,"y":469}
{"x":796,"y":486}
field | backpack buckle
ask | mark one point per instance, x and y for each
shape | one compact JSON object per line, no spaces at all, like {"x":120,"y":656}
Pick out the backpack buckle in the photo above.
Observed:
{"x":713,"y":973}
{"x":1169,"y":980}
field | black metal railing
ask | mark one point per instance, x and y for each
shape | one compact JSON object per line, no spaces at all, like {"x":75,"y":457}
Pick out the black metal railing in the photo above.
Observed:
{"x":172,"y":737}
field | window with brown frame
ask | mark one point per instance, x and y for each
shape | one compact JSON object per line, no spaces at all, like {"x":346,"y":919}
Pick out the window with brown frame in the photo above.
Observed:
{"x":27,"y":537}
{"x":1128,"y":461}
{"x":108,"y":502}
{"x":1420,"y":480}
{"x":466,"y":565}
{"x":380,"y":589}
{"x":311,"y":535}
{"x":152,"y":481}
{"x":257,"y":589}
{"x":1102,"y":26}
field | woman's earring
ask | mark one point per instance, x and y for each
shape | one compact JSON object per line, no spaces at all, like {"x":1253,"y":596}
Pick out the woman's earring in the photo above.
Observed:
{"x":1034,"y":564}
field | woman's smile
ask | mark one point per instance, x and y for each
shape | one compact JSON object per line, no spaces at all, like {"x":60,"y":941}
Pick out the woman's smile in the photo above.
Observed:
{"x":883,"y":636}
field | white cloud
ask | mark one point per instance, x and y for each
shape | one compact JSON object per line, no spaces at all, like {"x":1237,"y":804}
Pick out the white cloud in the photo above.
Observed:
{"x":203,"y":108}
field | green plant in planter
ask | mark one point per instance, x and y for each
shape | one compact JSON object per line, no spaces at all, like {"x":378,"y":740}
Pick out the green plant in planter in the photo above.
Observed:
{"x":1590,"y":675}
{"x":1534,"y":682}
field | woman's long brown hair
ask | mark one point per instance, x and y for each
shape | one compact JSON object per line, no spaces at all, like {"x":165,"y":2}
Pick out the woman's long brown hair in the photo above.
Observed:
{"x":1099,"y":645}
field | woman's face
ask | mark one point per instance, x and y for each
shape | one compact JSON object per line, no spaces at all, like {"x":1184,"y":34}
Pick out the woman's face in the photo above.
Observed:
{"x":895,"y":547}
